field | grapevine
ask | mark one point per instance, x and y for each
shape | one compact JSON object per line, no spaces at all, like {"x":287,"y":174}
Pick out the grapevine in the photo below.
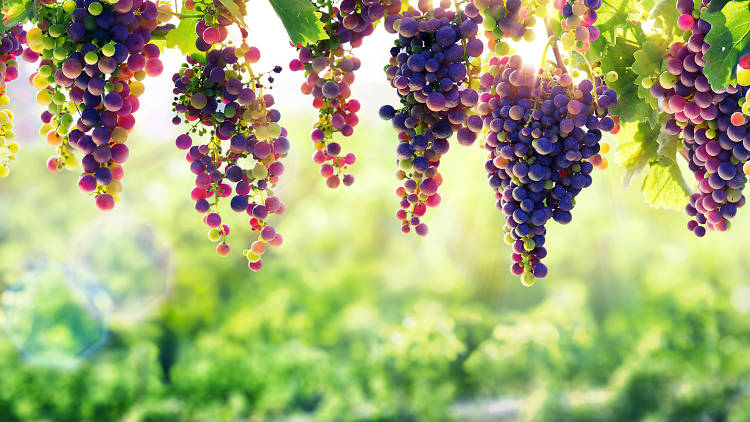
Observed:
{"x":663,"y":82}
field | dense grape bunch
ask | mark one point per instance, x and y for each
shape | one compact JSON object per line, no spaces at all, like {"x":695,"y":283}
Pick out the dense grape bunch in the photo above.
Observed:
{"x":431,"y":67}
{"x":220,"y":98}
{"x":714,"y":131}
{"x":579,"y":17}
{"x":93,"y":57}
{"x":329,"y":67}
{"x":11,"y":46}
{"x":543,"y":132}
{"x":505,"y":19}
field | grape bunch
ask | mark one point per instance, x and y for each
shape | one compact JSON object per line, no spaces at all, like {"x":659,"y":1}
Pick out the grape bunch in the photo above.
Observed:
{"x":11,"y":46}
{"x":329,"y":67}
{"x":508,"y":19}
{"x":578,"y":21}
{"x":432,"y":67}
{"x":218,"y":96}
{"x":544,"y":131}
{"x":714,"y":131}
{"x":94,"y":56}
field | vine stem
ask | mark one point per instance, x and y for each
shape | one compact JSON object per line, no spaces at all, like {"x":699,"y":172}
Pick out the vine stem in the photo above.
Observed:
{"x":558,"y":57}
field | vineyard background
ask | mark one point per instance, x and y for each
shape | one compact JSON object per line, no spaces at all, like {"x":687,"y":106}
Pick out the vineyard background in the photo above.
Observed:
{"x":352,"y":320}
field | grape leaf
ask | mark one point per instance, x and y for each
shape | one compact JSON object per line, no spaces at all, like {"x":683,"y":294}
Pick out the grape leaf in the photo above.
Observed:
{"x":613,"y":15}
{"x":636,"y":146}
{"x":300,"y":19}
{"x":729,"y":35}
{"x":663,"y":186}
{"x":646,"y":63}
{"x":665,"y":16}
{"x":15,"y":11}
{"x":236,"y":9}
{"x":184,"y":36}
{"x":620,"y":58}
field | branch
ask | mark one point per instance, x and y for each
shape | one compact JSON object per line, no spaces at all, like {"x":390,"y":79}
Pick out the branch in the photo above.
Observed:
{"x":558,"y":57}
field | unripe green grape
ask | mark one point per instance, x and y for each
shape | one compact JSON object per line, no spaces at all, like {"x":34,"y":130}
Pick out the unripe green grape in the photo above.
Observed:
{"x":528,"y":36}
{"x":96,"y":8}
{"x":45,"y":70}
{"x":69,"y":6}
{"x":48,"y":43}
{"x":647,"y":82}
{"x":91,"y":57}
{"x":527,"y":279}
{"x":405,"y":164}
{"x":568,"y":41}
{"x":612,"y":76}
{"x":108,"y":50}
{"x":260,"y":171}
{"x":56,"y":30}
{"x":214,"y":235}
{"x":60,"y":53}
{"x":667,"y":80}
{"x":743,"y":77}
{"x":508,"y":239}
{"x":489,"y":23}
{"x":59,"y":98}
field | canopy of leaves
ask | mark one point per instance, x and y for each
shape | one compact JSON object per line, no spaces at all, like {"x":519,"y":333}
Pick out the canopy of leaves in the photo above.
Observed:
{"x":300,"y":19}
{"x":728,"y":37}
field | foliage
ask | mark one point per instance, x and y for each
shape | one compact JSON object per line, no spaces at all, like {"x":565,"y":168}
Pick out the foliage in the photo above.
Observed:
{"x":728,"y":37}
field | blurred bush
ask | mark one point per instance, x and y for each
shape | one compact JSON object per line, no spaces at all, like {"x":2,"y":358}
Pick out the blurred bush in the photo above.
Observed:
{"x":352,"y":321}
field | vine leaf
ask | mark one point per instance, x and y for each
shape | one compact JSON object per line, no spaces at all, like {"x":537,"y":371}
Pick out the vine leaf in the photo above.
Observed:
{"x":663,"y":186}
{"x":15,"y":11}
{"x":300,"y":19}
{"x":647,"y":62}
{"x":728,"y":37}
{"x":236,"y":9}
{"x":636,"y":147}
{"x":665,"y":16}
{"x":620,"y":57}
{"x":184,"y":36}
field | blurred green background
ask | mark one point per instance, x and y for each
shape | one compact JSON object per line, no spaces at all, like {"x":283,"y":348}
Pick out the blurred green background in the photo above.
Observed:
{"x":132,"y":317}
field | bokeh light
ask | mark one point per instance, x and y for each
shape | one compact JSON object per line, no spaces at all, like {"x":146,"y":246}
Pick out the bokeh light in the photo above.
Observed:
{"x":49,"y":319}
{"x":130,"y":265}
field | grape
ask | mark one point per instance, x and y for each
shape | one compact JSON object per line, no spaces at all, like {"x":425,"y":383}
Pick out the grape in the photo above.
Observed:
{"x":242,"y":127}
{"x":433,"y":112}
{"x":579,"y":17}
{"x":711,"y":125}
{"x":544,"y":135}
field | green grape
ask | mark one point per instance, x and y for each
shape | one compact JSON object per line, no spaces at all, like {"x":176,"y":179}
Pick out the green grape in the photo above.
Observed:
{"x":667,"y":80}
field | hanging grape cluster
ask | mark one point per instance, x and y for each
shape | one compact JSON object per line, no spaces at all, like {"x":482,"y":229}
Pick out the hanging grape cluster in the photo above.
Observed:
{"x":329,"y":67}
{"x":543,"y":130}
{"x":432,"y":69}
{"x":94,"y":56}
{"x":714,"y":131}
{"x":219,"y":97}
{"x":11,"y":46}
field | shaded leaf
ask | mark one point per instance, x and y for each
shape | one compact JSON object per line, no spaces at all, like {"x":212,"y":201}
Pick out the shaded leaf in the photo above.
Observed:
{"x":15,"y":12}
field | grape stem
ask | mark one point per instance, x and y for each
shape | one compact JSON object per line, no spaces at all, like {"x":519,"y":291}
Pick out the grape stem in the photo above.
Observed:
{"x":558,"y":57}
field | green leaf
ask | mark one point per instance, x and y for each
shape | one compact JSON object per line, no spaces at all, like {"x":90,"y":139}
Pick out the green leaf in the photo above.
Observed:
{"x":620,"y":58}
{"x":664,"y":187}
{"x":646,"y":63}
{"x":300,"y":19}
{"x":15,"y":12}
{"x":665,"y":16}
{"x":728,"y":37}
{"x":636,"y":146}
{"x":183,"y":36}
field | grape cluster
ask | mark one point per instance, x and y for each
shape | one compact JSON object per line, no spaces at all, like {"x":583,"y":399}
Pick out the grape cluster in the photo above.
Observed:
{"x":11,"y":46}
{"x":94,"y":56}
{"x":508,"y":19}
{"x":544,"y":131}
{"x":578,"y":21}
{"x":714,"y":131}
{"x":329,"y":67}
{"x":218,"y":95}
{"x":432,"y":67}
